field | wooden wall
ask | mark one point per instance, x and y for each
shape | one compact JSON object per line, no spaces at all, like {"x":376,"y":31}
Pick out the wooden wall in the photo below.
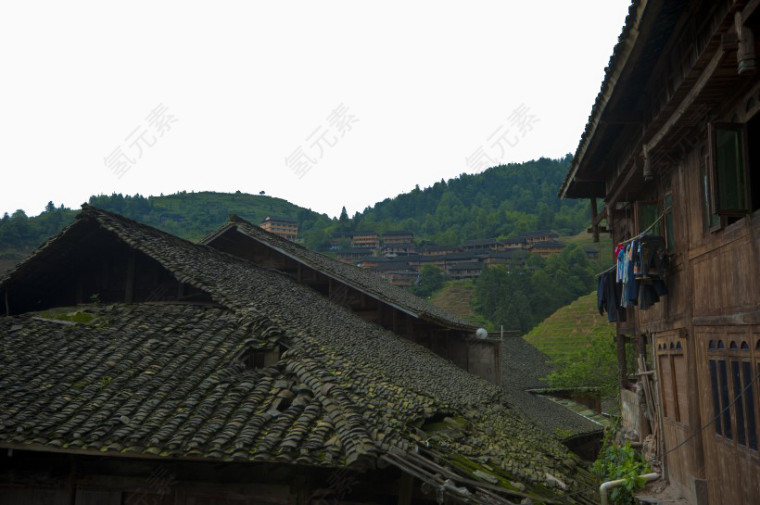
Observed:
{"x":714,"y":295}
{"x":40,"y":478}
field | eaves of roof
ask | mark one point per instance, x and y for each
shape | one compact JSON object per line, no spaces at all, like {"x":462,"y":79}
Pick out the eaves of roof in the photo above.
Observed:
{"x":615,"y":68}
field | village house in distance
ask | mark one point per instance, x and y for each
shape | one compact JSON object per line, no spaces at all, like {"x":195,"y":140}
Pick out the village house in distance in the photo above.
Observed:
{"x":284,"y":227}
{"x":395,"y":257}
{"x":673,"y":147}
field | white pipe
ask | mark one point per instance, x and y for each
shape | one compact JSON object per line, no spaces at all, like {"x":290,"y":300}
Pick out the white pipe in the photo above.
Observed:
{"x":606,"y":486}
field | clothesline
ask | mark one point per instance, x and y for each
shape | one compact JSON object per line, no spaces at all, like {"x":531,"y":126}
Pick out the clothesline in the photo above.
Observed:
{"x":648,"y":228}
{"x":605,"y":271}
{"x":641,"y":234}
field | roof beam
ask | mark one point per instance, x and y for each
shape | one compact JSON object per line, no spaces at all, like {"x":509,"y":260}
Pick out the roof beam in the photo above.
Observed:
{"x":626,"y":48}
{"x":688,"y":100}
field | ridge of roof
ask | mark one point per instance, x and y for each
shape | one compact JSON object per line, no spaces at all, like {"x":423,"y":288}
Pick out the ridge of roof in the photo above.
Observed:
{"x":356,"y":277}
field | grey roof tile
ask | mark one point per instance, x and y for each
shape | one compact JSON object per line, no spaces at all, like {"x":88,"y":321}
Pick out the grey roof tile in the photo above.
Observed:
{"x":168,"y":379}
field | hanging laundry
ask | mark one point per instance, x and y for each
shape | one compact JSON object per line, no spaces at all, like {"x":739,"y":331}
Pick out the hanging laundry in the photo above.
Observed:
{"x":608,"y":294}
{"x":636,"y":280}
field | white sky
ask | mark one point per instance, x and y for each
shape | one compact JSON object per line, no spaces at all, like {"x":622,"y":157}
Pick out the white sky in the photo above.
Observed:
{"x":429,"y":90}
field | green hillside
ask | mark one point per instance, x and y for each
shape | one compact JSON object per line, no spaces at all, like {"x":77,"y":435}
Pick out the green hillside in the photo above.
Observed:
{"x":187,"y":215}
{"x":571,"y":328}
{"x":194,"y":215}
{"x":456,"y":297}
{"x":582,"y":347}
{"x":502,"y":201}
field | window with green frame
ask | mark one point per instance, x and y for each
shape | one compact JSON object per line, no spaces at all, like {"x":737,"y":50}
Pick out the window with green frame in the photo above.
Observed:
{"x":670,"y":236}
{"x":711,"y":219}
{"x":734,"y":149}
{"x":651,"y":219}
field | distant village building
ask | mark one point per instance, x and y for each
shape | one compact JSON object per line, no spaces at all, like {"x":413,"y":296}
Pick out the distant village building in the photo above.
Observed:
{"x":540,"y":236}
{"x":285,"y":228}
{"x":369,"y":240}
{"x":354,"y":255}
{"x":437,"y":250}
{"x":395,"y":238}
{"x":368,"y":247}
{"x":546,"y":248}
{"x":672,"y":147}
{"x":465,"y":270}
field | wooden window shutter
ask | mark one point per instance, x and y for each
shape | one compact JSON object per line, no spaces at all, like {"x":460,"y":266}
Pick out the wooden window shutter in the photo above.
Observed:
{"x":728,"y":159}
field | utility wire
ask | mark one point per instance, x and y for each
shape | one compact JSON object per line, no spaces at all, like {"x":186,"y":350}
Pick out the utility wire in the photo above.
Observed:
{"x":565,"y":498}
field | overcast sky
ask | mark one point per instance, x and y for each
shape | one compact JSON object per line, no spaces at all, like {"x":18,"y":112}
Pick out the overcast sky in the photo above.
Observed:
{"x":323,"y":103}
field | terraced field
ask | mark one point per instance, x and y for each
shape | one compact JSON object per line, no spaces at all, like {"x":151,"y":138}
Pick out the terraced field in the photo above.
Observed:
{"x":570,"y":328}
{"x":456,"y":297}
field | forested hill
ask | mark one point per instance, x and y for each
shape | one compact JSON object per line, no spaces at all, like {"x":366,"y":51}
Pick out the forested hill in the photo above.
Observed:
{"x":188,"y":215}
{"x":502,"y":201}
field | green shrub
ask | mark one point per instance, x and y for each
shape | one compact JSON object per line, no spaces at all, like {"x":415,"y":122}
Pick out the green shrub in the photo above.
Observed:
{"x":620,"y":462}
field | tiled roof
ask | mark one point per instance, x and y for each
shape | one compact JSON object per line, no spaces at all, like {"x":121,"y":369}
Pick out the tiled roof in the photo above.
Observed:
{"x":549,"y":244}
{"x":358,"y":278}
{"x":176,"y":380}
{"x":470,"y":265}
{"x":166,"y":380}
{"x":169,"y":381}
{"x":522,"y":365}
{"x":543,"y":412}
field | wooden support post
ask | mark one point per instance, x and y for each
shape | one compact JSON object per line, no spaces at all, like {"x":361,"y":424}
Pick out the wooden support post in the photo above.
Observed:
{"x":622,"y":371}
{"x":129,"y":291}
{"x":594,"y":224}
{"x":405,"y":489}
{"x":79,"y":294}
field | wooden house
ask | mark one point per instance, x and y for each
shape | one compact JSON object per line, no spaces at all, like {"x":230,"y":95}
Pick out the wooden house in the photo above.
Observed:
{"x":286,"y":228}
{"x":437,"y":250}
{"x":481,"y":244}
{"x":369,"y":240}
{"x":397,"y":274}
{"x":354,"y":255}
{"x":465,"y":270}
{"x":139,"y":368}
{"x":397,"y":238}
{"x":672,"y":145}
{"x":540,"y":236}
{"x":546,"y":248}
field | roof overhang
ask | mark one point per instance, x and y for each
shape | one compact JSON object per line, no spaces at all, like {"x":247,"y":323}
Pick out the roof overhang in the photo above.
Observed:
{"x":619,"y":141}
{"x":579,"y":183}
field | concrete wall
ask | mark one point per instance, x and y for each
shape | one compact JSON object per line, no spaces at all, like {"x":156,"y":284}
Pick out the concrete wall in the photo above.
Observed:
{"x":483,"y":359}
